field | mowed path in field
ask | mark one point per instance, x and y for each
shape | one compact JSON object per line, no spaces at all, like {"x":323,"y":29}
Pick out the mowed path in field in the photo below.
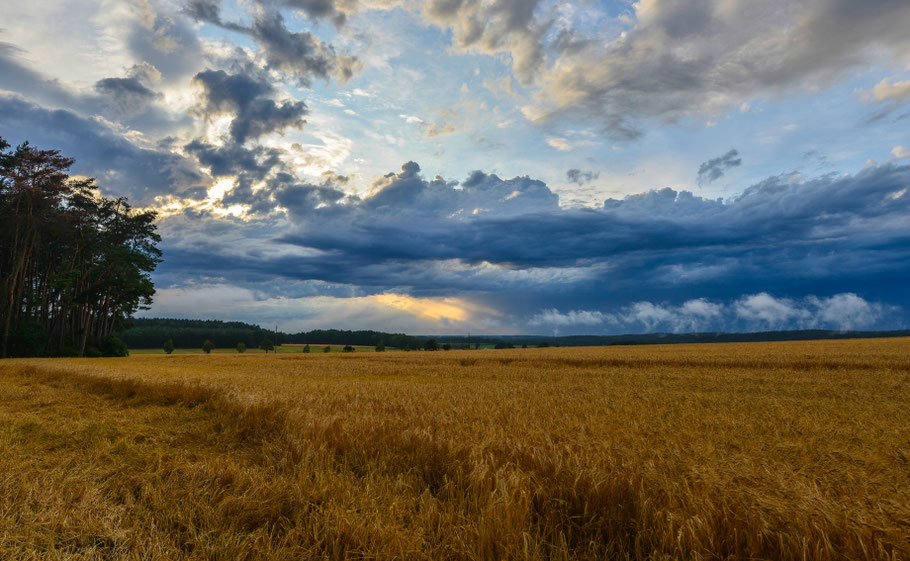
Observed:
{"x":762,"y":450}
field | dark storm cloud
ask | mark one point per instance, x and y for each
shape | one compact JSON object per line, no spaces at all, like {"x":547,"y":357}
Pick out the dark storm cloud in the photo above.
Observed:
{"x":315,"y":9}
{"x":714,"y":169}
{"x":664,"y":259}
{"x":494,"y":27}
{"x":299,"y":54}
{"x":234,"y":159}
{"x":129,"y":93}
{"x":210,"y":10}
{"x":203,"y":10}
{"x":245,"y":96}
{"x":132,"y":94}
{"x":121,"y":167}
{"x":247,"y":99}
{"x":579,"y":177}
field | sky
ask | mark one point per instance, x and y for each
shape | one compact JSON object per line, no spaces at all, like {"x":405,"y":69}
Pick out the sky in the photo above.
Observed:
{"x":491,"y":166}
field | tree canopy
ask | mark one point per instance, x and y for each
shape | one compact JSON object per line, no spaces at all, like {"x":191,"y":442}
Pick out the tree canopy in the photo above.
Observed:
{"x":73,"y":264}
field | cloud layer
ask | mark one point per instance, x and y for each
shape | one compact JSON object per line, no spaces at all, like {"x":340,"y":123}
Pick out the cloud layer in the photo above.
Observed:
{"x":508,"y":241}
{"x":264,"y":132}
{"x":753,"y":312}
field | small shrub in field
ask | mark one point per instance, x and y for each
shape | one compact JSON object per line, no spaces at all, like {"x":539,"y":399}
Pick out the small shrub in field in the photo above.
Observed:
{"x":380,"y":347}
{"x":306,"y":349}
{"x":113,"y":346}
{"x":68,"y":352}
{"x":168,"y":346}
{"x":327,"y":349}
{"x":241,"y":347}
{"x":207,"y":347}
{"x":431,"y":345}
{"x":348,"y":349}
{"x":446,"y":347}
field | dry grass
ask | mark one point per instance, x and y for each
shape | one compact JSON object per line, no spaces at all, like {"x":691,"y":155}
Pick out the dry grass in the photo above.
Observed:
{"x":742,"y":451}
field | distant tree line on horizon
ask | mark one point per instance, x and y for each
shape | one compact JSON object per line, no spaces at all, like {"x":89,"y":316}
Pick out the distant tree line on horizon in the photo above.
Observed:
{"x":151,"y":333}
{"x":143,"y":333}
{"x":73,"y":264}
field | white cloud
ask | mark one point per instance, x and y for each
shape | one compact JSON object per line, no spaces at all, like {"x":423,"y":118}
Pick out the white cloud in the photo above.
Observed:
{"x":564,"y":145}
{"x":555,"y":318}
{"x":846,"y":311}
{"x":559,"y":143}
{"x":754,"y":312}
{"x":901,"y":152}
{"x":889,"y":90}
{"x":767,"y":311}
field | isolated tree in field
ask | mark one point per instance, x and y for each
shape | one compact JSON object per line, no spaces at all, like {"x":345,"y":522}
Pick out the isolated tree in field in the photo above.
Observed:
{"x":306,"y":349}
{"x":431,"y":345}
{"x":207,"y":347}
{"x":327,"y":349}
{"x":380,"y":347}
{"x":348,"y":349}
{"x":266,"y":345}
{"x":446,"y":347}
{"x":241,"y":347}
{"x":168,"y":346}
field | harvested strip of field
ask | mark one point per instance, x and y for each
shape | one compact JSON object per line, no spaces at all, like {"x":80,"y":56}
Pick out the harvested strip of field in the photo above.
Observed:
{"x":773,"y":450}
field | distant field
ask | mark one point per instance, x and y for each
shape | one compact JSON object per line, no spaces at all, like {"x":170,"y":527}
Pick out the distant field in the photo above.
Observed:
{"x":797,"y":450}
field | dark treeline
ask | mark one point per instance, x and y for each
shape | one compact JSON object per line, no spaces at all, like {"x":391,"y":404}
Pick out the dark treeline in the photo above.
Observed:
{"x":73,"y":264}
{"x":151,"y":333}
{"x":368,"y":338}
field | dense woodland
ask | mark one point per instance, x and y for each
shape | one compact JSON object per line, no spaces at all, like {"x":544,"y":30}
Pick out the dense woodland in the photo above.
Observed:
{"x":192,"y":333}
{"x":73,"y":264}
{"x":151,"y":333}
{"x":342,"y":337}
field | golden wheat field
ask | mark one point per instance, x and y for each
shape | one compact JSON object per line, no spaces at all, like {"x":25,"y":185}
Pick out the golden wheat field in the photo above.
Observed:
{"x":738,"y":451}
